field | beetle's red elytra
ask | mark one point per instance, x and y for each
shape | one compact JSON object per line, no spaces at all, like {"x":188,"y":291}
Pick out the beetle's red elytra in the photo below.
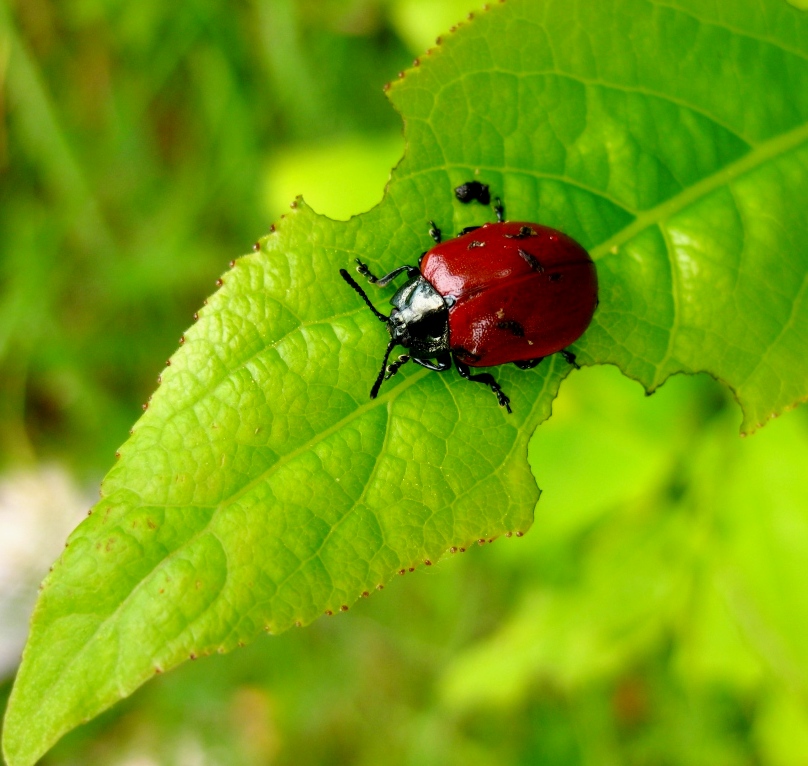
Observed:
{"x":504,"y":292}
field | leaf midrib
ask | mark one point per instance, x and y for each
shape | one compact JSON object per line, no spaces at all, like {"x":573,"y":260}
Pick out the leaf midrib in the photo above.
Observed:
{"x":655,"y":216}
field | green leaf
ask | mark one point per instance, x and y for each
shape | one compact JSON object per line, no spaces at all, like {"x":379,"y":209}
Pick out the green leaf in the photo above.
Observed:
{"x":262,"y":487}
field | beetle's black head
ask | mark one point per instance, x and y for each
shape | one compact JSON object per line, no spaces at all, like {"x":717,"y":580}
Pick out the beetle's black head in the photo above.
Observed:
{"x":419,"y":321}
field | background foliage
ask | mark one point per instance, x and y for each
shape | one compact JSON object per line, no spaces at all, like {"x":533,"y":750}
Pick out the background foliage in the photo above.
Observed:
{"x":657,"y":618}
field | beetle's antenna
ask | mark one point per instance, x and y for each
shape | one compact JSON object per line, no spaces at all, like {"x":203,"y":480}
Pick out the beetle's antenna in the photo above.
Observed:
{"x":350,"y":280}
{"x":374,"y":392}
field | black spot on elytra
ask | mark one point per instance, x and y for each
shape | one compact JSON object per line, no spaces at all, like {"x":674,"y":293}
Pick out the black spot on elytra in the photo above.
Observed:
{"x":555,"y":277}
{"x":465,"y":355}
{"x":531,"y":260}
{"x":512,"y":326}
{"x":524,"y":233}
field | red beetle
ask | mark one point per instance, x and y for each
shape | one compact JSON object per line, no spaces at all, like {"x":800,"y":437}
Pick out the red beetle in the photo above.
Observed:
{"x":498,"y":293}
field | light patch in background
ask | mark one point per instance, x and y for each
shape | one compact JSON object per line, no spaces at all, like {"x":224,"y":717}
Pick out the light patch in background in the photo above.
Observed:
{"x":419,"y":22}
{"x":339,"y":179}
{"x":38,"y":510}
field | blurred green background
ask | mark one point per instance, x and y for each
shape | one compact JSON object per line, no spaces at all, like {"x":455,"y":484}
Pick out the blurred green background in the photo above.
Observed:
{"x":657,"y":613}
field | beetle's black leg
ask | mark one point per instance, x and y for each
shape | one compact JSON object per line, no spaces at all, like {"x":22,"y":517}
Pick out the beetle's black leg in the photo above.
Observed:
{"x":363,"y":269}
{"x":486,"y":379}
{"x":393,"y":368}
{"x":442,"y":363}
{"x":499,"y":210}
{"x":467,"y":230}
{"x":434,"y":232}
{"x":570,"y":358}
{"x":528,"y":364}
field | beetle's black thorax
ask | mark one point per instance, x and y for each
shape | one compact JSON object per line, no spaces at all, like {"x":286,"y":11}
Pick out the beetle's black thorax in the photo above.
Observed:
{"x":420,"y":319}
